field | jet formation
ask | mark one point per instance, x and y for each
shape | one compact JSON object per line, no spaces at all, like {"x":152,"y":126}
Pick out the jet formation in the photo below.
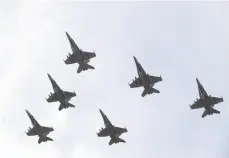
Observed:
{"x":206,"y":101}
{"x":142,"y":80}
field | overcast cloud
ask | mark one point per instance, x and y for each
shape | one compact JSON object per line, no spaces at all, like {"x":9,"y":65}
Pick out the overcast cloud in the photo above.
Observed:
{"x":178,"y":40}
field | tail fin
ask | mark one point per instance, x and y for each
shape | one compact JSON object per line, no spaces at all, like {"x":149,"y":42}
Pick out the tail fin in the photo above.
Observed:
{"x":84,"y":66}
{"x":212,"y":111}
{"x":62,"y":105}
{"x":150,"y":90}
{"x":41,"y":139}
{"x":112,"y":141}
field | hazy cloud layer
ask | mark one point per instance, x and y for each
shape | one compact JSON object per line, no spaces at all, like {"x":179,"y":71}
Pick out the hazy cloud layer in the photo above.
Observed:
{"x":180,"y":41}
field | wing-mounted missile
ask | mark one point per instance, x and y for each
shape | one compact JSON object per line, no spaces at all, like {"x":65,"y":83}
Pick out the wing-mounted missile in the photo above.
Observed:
{"x":68,"y":55}
{"x":101,"y":129}
{"x":49,"y":96}
{"x":29,"y":129}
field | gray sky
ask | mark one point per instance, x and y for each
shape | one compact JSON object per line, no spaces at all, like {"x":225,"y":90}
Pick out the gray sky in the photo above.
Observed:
{"x":180,"y":41}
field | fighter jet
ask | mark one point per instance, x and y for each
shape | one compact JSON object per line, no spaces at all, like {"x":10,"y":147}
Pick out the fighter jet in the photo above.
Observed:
{"x":39,"y":130}
{"x":59,"y":95}
{"x":206,"y":101}
{"x":79,"y":56}
{"x":144,"y":80}
{"x":111,"y":130}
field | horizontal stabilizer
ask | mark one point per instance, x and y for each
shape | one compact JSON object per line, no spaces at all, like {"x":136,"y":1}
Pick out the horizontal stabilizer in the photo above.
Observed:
{"x":121,"y":140}
{"x":215,"y":111}
{"x":84,"y":67}
{"x":70,"y":105}
{"x":206,"y":112}
{"x":44,"y":139}
{"x":112,"y":141}
{"x":149,"y":91}
{"x":50,"y":139}
{"x":67,"y":105}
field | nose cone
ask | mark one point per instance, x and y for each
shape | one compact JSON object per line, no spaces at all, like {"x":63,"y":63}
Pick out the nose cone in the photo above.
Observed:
{"x":67,"y":34}
{"x":197,"y":81}
{"x":28,"y":113}
{"x":135,"y":59}
{"x":49,"y":76}
{"x":52,"y":129}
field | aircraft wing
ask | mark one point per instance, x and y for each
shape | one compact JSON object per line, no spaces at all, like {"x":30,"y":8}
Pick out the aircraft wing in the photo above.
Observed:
{"x":103,"y":133}
{"x":72,"y":58}
{"x":136,"y":83}
{"x":120,"y":130}
{"x":47,"y":129}
{"x":88,"y":55}
{"x":52,"y":98}
{"x":217,"y":100}
{"x":69,"y":94}
{"x":197,"y":104}
{"x":31,"y":132}
{"x":155,"y":79}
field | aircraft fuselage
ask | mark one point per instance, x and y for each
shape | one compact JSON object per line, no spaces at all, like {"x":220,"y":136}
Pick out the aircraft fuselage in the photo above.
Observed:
{"x":144,"y":77}
{"x":207,"y":101}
